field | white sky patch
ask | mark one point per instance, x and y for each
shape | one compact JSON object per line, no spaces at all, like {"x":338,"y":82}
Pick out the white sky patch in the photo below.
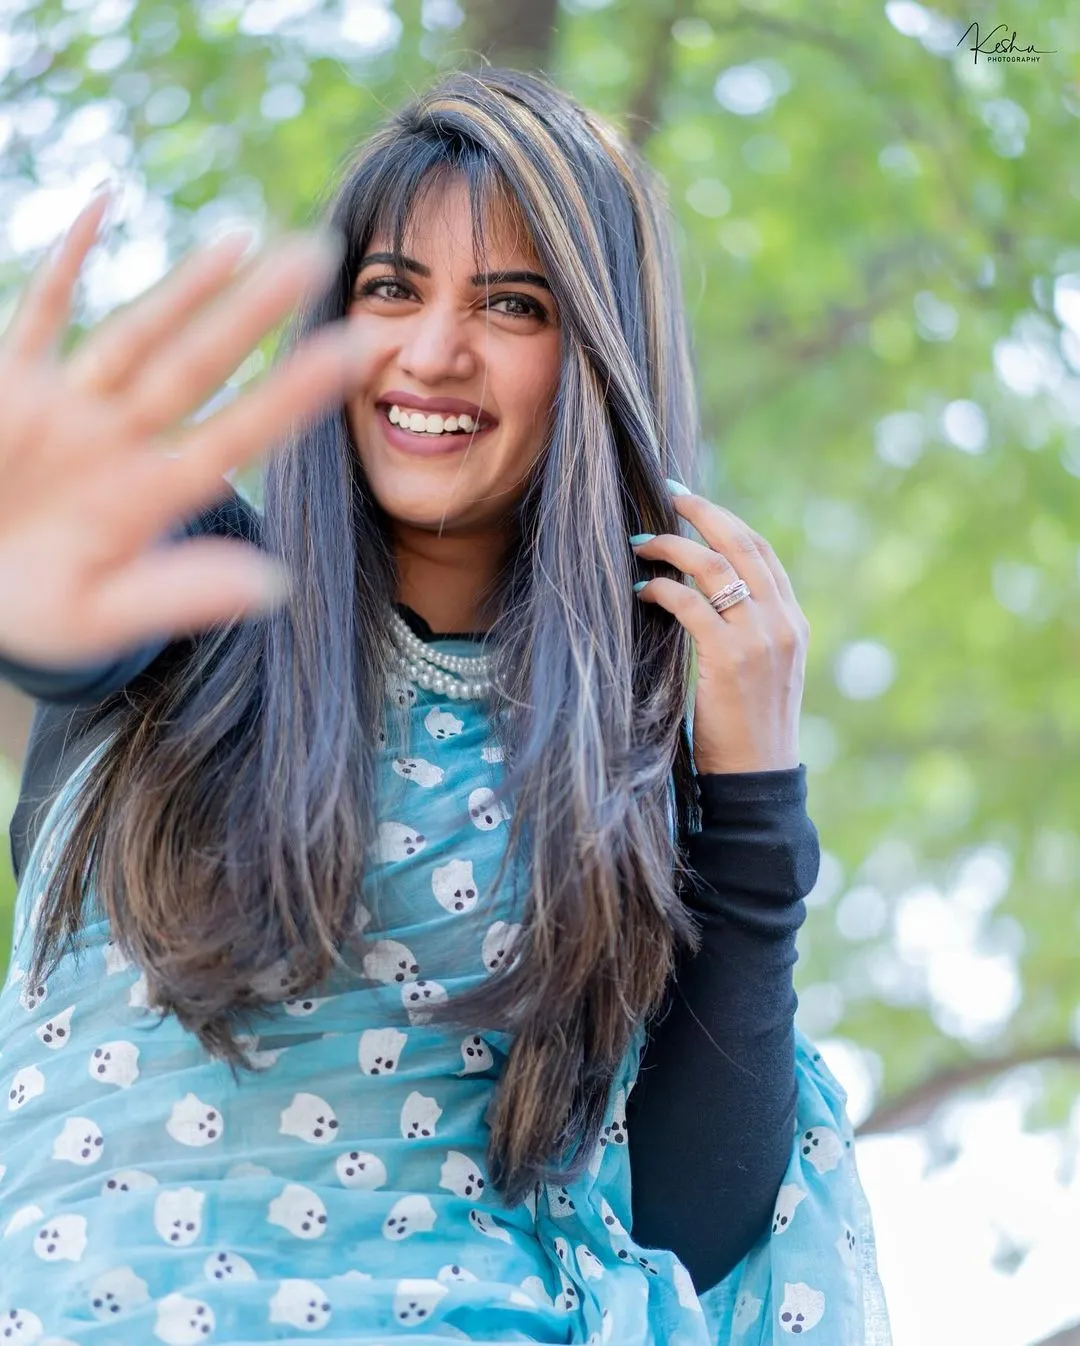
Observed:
{"x":935,"y":319}
{"x":106,"y":16}
{"x":963,"y":423}
{"x":166,"y":106}
{"x":709,"y":197}
{"x":1028,"y":361}
{"x":899,"y":438}
{"x":864,"y":669}
{"x":282,"y":102}
{"x":1008,"y":123}
{"x":938,"y":1231}
{"x":836,"y":527}
{"x":830,"y":880}
{"x":1067,"y":302}
{"x":858,"y":1071}
{"x":1017,"y":585}
{"x":886,"y":976}
{"x":108,"y":54}
{"x":372,"y":28}
{"x":900,"y":160}
{"x":969,"y":968}
{"x":819,"y":743}
{"x":91,"y":122}
{"x":441,"y":15}
{"x":908,"y":18}
{"x":861,"y":913}
{"x":14,"y":49}
{"x":112,"y":279}
{"x":974,"y":995}
{"x":821,"y":1007}
{"x":40,"y":216}
{"x":261,"y":17}
{"x":748,"y":90}
{"x":36,"y":115}
{"x":937,"y":34}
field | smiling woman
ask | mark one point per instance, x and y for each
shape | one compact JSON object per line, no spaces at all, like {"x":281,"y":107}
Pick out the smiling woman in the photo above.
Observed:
{"x":411,"y":865}
{"x":431,"y":322}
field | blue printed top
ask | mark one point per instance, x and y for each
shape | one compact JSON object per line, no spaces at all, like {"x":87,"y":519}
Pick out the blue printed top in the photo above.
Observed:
{"x":338,"y":1192}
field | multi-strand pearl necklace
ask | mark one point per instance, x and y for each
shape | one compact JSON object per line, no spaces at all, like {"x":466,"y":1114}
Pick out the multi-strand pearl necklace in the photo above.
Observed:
{"x":454,"y":675}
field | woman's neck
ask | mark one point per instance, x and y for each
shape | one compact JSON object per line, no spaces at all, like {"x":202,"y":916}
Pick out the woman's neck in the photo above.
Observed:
{"x":420,"y":627}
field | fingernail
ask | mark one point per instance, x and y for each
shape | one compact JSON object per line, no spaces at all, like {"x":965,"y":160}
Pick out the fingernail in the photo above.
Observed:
{"x":636,"y":539}
{"x":109,"y":185}
{"x":239,"y":240}
{"x":104,"y":191}
{"x":274,"y":587}
{"x":677,"y":488}
{"x":640,"y":585}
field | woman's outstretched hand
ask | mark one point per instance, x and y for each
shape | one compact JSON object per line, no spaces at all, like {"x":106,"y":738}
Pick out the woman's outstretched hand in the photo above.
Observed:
{"x":751,"y":658}
{"x":94,"y":469}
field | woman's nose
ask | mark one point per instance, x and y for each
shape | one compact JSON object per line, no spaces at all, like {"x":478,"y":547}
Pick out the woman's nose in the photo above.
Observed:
{"x":438,"y":344}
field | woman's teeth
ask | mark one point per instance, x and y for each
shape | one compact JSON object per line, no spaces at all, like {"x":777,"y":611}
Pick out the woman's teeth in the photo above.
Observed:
{"x":430,"y":425}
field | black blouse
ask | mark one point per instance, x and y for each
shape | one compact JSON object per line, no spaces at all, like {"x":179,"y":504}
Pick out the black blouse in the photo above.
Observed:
{"x":710,"y":1120}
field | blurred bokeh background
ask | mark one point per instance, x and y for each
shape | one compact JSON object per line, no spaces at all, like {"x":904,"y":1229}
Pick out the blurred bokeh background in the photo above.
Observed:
{"x":880,"y":231}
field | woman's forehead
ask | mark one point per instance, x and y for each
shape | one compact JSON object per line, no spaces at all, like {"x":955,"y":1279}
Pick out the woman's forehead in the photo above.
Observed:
{"x":441,"y":207}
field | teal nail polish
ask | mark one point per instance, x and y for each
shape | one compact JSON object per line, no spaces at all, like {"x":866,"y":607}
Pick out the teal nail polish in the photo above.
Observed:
{"x":640,"y":585}
{"x":677,"y":488}
{"x":637,"y":538}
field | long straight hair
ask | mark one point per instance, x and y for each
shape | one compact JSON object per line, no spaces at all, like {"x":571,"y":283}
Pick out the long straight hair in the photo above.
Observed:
{"x":226,"y":825}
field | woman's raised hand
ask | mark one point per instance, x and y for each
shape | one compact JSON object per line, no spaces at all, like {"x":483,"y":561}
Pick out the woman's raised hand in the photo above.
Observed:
{"x":94,"y":469}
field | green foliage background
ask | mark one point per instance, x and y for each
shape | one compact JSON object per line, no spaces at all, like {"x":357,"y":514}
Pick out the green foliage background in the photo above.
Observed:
{"x":877,"y":266}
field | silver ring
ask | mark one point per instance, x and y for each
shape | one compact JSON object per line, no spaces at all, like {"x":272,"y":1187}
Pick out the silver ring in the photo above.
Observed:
{"x":729,"y":595}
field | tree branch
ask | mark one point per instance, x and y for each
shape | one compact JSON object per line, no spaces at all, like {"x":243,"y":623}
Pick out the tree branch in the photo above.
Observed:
{"x":516,"y":33}
{"x":914,"y":1106}
{"x":643,"y":113}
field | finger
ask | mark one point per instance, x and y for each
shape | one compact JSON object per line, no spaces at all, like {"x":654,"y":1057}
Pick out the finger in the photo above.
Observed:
{"x":726,"y":532}
{"x":783,"y":582}
{"x":44,"y":310}
{"x":109,"y":356}
{"x":691,"y":609}
{"x":316,"y":376}
{"x":710,"y":570}
{"x":779,"y":574}
{"x":207,"y":350}
{"x":188,"y":588}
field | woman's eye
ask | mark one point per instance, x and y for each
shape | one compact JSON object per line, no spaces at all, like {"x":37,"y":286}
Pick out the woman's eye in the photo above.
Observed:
{"x":373,"y":285}
{"x":529,"y":307}
{"x":526,"y":308}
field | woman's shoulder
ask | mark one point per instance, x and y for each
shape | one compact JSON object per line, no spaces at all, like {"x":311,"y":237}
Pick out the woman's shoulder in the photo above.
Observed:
{"x":232,"y":514}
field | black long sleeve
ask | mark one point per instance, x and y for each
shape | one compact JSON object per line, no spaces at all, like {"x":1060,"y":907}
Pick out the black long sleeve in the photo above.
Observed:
{"x":710,"y":1121}
{"x":81,"y":686}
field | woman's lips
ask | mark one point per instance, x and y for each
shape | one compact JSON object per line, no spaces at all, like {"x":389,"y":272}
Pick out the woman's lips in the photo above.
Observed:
{"x":427,"y":446}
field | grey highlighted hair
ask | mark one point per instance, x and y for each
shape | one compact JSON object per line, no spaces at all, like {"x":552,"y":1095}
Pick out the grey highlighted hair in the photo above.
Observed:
{"x":226,"y":824}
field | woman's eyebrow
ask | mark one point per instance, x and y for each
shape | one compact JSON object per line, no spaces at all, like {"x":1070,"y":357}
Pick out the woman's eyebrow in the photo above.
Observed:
{"x":491,"y":278}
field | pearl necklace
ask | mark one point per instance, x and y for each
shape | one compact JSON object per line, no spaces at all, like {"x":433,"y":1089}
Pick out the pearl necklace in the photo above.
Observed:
{"x":435,"y":670}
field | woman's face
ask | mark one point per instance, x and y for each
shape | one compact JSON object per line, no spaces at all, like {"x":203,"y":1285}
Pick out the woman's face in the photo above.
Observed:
{"x":431,"y":333}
